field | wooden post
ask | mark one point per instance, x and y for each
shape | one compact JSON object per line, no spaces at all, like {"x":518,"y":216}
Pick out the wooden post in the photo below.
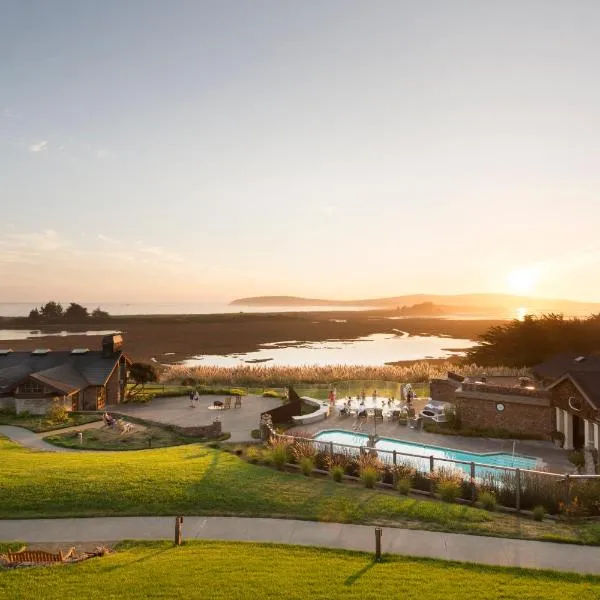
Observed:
{"x":331,"y":450}
{"x":567,"y":489}
{"x":378,"y":533}
{"x":178,"y":522}
{"x":518,"y":490}
{"x":395,"y":458}
{"x":473,"y":486}
{"x":431,"y":469}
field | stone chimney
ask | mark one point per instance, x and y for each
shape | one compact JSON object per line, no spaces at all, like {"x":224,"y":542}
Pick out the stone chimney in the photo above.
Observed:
{"x":111,"y":345}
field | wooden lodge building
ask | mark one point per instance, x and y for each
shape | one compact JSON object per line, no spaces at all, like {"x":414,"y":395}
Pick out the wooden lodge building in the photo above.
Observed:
{"x":79,"y":379}
{"x":563,"y":395}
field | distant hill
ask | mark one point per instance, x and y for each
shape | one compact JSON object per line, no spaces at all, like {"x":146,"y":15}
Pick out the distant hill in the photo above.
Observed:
{"x":464,"y":303}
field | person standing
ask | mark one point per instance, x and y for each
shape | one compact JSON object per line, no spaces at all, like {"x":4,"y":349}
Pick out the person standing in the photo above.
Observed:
{"x":191,"y":395}
{"x":196,"y":398}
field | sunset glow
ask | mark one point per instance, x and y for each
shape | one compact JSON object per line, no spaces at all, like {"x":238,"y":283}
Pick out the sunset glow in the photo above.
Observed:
{"x":207,"y":151}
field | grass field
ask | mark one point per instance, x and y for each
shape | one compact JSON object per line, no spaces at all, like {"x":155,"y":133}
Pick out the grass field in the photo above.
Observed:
{"x":196,"y":480}
{"x":223,"y":570}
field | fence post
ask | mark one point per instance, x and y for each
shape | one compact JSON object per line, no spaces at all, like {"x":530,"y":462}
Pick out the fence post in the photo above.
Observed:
{"x":518,"y":490}
{"x":431,"y":469}
{"x":331,"y":450}
{"x":395,"y":458}
{"x":378,"y":533}
{"x":473,"y":487}
{"x":178,"y":522}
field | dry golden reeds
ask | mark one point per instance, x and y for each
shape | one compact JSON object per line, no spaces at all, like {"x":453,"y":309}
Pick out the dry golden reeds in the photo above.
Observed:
{"x":278,"y":376}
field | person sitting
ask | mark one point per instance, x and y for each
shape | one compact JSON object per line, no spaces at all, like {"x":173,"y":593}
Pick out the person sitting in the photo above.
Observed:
{"x":108,"y":420}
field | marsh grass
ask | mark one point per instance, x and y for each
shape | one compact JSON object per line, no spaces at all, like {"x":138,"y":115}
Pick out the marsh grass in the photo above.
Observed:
{"x":276,"y":376}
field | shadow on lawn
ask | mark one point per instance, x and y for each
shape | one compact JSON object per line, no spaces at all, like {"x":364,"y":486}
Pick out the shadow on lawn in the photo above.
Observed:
{"x":356,"y":576}
{"x":137,"y":560}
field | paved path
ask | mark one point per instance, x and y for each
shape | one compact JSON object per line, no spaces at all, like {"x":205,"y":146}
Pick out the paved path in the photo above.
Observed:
{"x":449,"y":546}
{"x":34,"y":440}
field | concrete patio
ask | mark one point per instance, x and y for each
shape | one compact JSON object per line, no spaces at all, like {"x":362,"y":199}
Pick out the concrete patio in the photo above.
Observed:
{"x":177,"y":411}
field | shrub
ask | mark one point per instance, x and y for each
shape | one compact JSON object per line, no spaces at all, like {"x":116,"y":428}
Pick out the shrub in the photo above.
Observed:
{"x":272,"y":394}
{"x":253,"y":454}
{"x":238,"y":451}
{"x":369,"y":476}
{"x":306,"y":465}
{"x":255,"y":434}
{"x":488,"y":500}
{"x":337,"y":473}
{"x":448,"y":490}
{"x":403,"y":486}
{"x":303,"y":449}
{"x":58,"y":413}
{"x":577,"y":458}
{"x":539,"y":512}
{"x":572,"y":511}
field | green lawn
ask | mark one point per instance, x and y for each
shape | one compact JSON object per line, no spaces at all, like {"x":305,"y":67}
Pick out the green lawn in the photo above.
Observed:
{"x":225,"y":570}
{"x":195,"y":480}
{"x":39,"y":423}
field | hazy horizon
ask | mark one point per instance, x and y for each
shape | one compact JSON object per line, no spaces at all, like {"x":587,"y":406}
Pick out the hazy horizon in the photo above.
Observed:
{"x":341,"y":149}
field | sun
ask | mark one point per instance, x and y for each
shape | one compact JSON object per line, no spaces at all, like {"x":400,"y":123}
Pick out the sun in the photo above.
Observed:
{"x":522,"y":281}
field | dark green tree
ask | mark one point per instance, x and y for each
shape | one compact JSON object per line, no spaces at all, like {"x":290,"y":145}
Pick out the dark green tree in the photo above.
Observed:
{"x":97,"y":313}
{"x":142,"y":373}
{"x":34,"y":315}
{"x":51,"y":310}
{"x":533,"y":340}
{"x":76,"y":312}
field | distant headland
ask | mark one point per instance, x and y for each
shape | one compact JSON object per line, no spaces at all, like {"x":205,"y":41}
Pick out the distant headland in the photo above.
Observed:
{"x":441,"y":303}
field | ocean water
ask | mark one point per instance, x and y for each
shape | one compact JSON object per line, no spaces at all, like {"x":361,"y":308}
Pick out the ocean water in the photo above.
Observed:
{"x":21,"y":309}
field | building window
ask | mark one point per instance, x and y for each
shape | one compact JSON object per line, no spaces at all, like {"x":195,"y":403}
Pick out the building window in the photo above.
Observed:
{"x":31,"y":387}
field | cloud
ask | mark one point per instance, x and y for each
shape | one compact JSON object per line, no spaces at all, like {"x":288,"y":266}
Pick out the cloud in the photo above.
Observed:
{"x":159,"y":252}
{"x":108,"y":240}
{"x":41,"y":146}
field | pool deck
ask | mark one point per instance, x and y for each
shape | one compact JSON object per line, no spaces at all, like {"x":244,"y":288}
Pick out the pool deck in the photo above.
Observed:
{"x":554,"y":459}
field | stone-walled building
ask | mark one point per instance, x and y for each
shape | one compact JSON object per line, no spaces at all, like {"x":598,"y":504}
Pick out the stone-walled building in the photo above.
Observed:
{"x":514,"y":409}
{"x":79,"y":379}
{"x":564,"y":397}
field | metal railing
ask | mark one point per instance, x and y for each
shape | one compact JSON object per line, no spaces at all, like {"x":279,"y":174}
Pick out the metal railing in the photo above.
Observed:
{"x":518,"y":479}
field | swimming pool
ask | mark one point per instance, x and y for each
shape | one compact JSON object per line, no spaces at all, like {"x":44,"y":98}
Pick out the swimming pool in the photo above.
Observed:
{"x":490,"y":460}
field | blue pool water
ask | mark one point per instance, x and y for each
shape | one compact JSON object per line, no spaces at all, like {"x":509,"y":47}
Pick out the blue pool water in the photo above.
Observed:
{"x":491,"y":460}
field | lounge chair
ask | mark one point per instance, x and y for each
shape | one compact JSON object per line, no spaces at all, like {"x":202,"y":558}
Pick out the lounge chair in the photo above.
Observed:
{"x":378,"y":415}
{"x":238,"y":402}
{"x":227,"y":403}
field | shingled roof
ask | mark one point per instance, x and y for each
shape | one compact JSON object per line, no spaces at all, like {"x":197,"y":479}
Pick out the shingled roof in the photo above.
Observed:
{"x":567,"y":362}
{"x":61,"y":370}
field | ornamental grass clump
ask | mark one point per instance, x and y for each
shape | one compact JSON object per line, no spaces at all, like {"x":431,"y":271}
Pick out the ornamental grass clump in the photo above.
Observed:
{"x":278,"y":450}
{"x":449,"y":490}
{"x":369,"y":477}
{"x":404,"y":486}
{"x":253,"y":454}
{"x":307,"y":465}
{"x":337,"y":473}
{"x":488,"y":500}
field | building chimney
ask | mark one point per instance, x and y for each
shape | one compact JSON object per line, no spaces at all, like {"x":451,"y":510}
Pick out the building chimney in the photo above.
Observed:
{"x":111,"y":345}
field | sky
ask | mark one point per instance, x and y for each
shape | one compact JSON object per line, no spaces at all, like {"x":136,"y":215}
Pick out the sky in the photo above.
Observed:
{"x":183,"y":151}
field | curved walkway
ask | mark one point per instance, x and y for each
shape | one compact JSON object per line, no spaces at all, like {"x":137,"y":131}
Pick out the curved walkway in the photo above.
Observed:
{"x":35,"y":440}
{"x":447,"y":546}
